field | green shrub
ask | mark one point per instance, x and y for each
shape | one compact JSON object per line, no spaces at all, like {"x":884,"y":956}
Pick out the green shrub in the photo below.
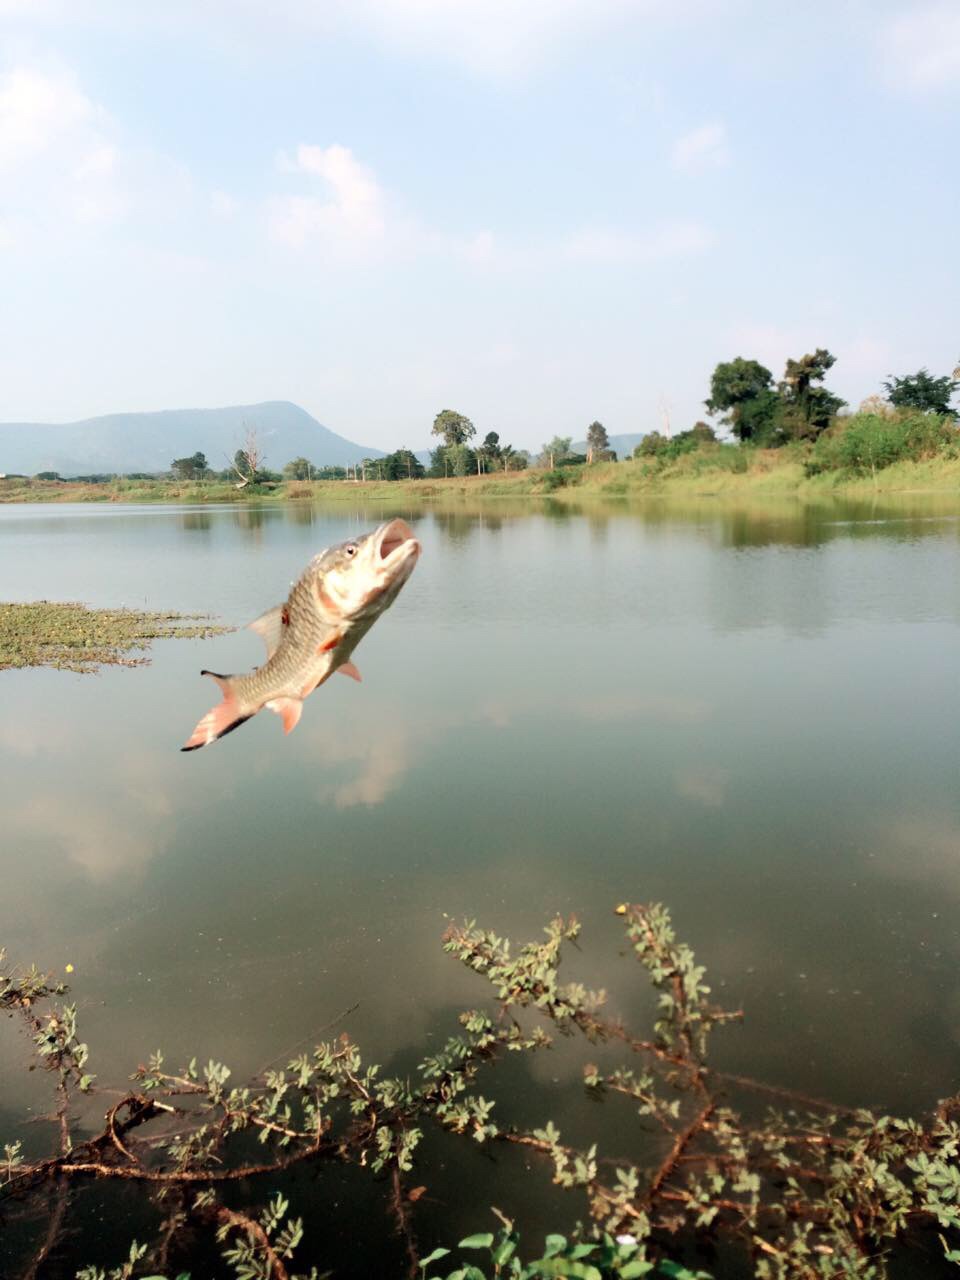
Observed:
{"x":868,"y":442}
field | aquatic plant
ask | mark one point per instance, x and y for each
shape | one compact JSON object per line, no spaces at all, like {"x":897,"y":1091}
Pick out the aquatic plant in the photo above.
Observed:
{"x":803,"y":1192}
{"x":74,"y":637}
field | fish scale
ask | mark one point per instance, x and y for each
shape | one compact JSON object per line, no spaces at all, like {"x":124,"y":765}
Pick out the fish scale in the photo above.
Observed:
{"x":330,"y":608}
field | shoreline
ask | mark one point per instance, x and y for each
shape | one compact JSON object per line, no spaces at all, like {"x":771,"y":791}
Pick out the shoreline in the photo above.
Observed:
{"x":767,"y":474}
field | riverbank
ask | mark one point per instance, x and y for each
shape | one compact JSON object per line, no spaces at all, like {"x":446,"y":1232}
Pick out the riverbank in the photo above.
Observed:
{"x":709,"y":472}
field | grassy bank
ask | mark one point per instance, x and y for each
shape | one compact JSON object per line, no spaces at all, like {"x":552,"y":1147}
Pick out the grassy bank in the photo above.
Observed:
{"x":75,"y":638}
{"x":713,"y":470}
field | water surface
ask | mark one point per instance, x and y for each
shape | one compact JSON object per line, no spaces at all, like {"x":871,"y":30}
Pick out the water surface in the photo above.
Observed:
{"x":749,"y":713}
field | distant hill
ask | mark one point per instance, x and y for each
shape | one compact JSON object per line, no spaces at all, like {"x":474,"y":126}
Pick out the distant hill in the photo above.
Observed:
{"x":123,"y":442}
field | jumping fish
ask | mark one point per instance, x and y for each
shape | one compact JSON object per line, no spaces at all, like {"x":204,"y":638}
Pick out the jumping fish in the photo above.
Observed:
{"x":337,"y":600}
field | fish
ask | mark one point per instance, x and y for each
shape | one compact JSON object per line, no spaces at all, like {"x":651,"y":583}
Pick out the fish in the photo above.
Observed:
{"x":312,"y":635}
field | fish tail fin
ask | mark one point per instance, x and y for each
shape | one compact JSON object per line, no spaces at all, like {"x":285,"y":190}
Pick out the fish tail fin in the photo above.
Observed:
{"x":221,"y":719}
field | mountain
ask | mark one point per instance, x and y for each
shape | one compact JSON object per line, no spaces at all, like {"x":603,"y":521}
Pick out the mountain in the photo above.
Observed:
{"x":123,"y":442}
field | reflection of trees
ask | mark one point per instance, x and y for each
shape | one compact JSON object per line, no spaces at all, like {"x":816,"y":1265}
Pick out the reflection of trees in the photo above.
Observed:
{"x":250,"y":518}
{"x":599,"y":526}
{"x":809,"y":524}
{"x":456,"y":526}
{"x":300,"y":513}
{"x":194,"y":521}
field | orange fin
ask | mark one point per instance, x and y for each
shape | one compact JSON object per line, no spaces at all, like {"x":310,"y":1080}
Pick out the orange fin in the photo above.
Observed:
{"x":289,"y":708}
{"x":219,"y":721}
{"x":348,"y":669}
{"x":330,"y":643}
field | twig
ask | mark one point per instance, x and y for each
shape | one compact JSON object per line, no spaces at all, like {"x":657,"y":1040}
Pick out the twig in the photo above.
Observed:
{"x":327,"y":1026}
{"x":231,"y":1218}
{"x":403,"y":1222}
{"x":669,"y":1163}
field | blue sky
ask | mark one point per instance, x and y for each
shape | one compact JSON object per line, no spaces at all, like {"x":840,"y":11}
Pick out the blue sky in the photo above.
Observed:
{"x":537,"y":212}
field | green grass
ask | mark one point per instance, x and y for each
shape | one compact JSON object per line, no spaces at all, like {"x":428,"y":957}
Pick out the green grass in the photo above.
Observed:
{"x":712,"y":470}
{"x":72,"y":637}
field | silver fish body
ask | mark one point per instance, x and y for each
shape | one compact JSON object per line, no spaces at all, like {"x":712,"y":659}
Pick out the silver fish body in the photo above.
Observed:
{"x":313,"y":634}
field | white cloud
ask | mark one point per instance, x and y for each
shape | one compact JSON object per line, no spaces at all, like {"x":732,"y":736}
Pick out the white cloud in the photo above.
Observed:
{"x":921,"y":47}
{"x":38,"y":111}
{"x":486,"y":37}
{"x":702,"y":149}
{"x":610,"y":246}
{"x":348,"y":221}
{"x":58,"y":160}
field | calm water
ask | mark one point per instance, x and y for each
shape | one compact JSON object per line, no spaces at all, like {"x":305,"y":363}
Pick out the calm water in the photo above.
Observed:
{"x":750,"y":714}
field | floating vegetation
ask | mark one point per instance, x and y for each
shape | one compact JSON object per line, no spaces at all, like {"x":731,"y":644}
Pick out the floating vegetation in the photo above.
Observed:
{"x":73,"y":637}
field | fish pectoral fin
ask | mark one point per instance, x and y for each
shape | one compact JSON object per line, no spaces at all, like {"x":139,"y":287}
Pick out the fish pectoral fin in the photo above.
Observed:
{"x":269,"y":627}
{"x":348,"y":669}
{"x":289,"y":709}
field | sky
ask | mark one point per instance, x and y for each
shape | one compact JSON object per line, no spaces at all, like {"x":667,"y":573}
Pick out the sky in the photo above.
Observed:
{"x":536,"y":212}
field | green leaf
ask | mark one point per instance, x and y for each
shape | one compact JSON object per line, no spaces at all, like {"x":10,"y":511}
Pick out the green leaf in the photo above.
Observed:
{"x":565,"y":1267}
{"x":553,"y":1245}
{"x":504,"y":1252}
{"x":483,"y":1240}
{"x":679,"y":1272}
{"x":630,"y":1270}
{"x":432,"y":1257}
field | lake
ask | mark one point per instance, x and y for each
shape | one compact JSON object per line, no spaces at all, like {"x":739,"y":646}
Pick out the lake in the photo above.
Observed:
{"x":749,"y":713}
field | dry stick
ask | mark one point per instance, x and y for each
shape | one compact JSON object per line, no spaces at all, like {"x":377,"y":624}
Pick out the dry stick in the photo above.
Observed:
{"x":778,"y":1091}
{"x":230,"y":1218}
{"x":403,"y":1221}
{"x":54,"y":1229}
{"x":55,"y":1225}
{"x":310,"y":1036}
{"x":669,"y":1164}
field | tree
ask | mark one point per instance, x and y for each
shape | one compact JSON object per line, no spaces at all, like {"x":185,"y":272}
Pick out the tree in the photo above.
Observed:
{"x":402,"y":465}
{"x":702,"y":433}
{"x":453,"y":427}
{"x":922,"y":391}
{"x":249,"y":458}
{"x":461,"y":461}
{"x":490,"y":450}
{"x":808,"y":408}
{"x":742,"y":390}
{"x":299,"y":469}
{"x":192,"y":468}
{"x":597,"y":441}
{"x":439,"y":466}
{"x":556,"y":449}
{"x":653,"y":443}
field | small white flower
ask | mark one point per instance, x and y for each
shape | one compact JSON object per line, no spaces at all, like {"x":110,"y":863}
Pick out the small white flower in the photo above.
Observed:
{"x":626,"y":1239}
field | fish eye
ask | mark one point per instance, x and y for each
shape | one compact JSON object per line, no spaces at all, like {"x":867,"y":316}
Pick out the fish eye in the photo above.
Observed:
{"x":350,"y":549}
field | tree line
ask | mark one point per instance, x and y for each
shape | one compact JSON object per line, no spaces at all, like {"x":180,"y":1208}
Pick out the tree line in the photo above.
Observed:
{"x":744,"y":399}
{"x":799,"y":406}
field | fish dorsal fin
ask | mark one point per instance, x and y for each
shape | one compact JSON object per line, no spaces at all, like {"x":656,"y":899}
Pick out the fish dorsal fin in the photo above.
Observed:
{"x":269,"y":627}
{"x":348,"y":669}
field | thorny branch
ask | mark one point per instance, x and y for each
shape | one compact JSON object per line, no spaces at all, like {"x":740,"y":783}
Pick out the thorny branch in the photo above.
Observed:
{"x":797,"y":1189}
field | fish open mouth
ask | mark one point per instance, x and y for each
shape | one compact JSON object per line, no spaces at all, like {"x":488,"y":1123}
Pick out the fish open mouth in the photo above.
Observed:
{"x":395,"y":535}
